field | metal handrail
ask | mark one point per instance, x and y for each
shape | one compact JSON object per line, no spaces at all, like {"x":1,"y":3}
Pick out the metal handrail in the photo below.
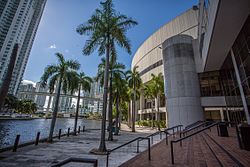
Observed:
{"x":193,"y":124}
{"x":136,"y":139}
{"x":193,"y":128}
{"x":185,"y":137}
{"x":81,"y":160}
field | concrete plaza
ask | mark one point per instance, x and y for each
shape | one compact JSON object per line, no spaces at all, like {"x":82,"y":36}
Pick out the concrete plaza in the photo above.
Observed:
{"x":79,"y":146}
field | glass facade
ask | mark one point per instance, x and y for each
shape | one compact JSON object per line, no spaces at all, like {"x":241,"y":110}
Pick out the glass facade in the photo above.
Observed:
{"x":210,"y":84}
{"x":224,"y":81}
{"x":241,"y":49}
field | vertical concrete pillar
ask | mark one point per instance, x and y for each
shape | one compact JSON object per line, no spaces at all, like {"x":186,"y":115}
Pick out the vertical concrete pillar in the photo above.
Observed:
{"x":181,"y":81}
{"x":222,"y":114}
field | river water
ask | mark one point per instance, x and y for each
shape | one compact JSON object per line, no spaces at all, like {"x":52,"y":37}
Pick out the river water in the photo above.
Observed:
{"x":29,"y":128}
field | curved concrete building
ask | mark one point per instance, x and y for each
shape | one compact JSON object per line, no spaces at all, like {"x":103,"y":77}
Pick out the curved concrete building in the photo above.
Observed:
{"x":203,"y":64}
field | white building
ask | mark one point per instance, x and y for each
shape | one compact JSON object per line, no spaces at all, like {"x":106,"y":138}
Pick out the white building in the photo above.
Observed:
{"x":19,"y":20}
{"x":27,"y":86}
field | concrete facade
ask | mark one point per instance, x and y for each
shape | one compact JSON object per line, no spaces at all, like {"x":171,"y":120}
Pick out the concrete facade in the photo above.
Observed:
{"x":181,"y":80}
{"x":192,"y":86}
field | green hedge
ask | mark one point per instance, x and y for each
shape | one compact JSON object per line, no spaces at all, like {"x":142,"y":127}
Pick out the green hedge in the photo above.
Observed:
{"x":151,"y":123}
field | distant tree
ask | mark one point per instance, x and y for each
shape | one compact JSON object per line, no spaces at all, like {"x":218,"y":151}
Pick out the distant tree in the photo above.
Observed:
{"x":58,"y":75}
{"x":157,"y":86}
{"x":10,"y":102}
{"x":80,"y":82}
{"x":134,"y":82}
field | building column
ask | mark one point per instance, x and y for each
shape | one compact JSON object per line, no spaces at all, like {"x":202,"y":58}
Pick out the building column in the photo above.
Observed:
{"x":181,"y":81}
{"x":49,"y":103}
{"x":222,"y":115}
{"x":240,"y":87}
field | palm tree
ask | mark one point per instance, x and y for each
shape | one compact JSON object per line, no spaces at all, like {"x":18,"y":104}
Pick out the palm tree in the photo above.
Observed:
{"x":148,"y":93}
{"x":134,"y":82}
{"x":115,"y":69}
{"x":157,"y":91}
{"x":80,"y":82}
{"x":60,"y":75}
{"x":106,"y":27}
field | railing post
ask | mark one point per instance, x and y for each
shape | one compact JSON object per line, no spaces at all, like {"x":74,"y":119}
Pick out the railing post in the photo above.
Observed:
{"x":96,"y":163}
{"x":173,"y":133}
{"x":107,"y":161}
{"x":37,"y":138}
{"x":137,"y":146}
{"x":16,"y":143}
{"x":59,"y":135}
{"x":181,"y":140}
{"x":152,"y":139}
{"x":83,"y":128}
{"x":218,"y":130}
{"x":160,"y":135}
{"x":149,"y":151}
{"x":68,"y":132}
{"x":172,"y":152}
{"x":166,"y":137}
{"x":238,"y":136}
{"x":79,"y":129}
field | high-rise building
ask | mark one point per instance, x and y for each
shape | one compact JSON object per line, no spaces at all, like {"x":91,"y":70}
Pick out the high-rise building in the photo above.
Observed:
{"x":40,"y":99}
{"x":29,"y":87}
{"x":19,"y":20}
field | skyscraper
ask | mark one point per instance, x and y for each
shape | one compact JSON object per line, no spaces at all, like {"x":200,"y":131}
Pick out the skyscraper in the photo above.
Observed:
{"x":19,"y":20}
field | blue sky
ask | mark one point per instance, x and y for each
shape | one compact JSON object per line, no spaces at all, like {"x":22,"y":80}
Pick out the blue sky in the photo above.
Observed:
{"x":56,"y":32}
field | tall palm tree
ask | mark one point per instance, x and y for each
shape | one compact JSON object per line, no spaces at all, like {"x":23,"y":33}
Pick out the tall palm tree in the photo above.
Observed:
{"x":105,"y":28}
{"x":134,"y":82}
{"x":157,"y":91}
{"x":80,"y":82}
{"x":60,"y":75}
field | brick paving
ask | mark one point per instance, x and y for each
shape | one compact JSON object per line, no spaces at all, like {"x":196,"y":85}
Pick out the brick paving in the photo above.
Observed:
{"x":199,"y":151}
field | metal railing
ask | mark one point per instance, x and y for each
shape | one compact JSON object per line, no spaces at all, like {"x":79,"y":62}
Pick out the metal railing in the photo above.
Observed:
{"x":17,"y":144}
{"x":136,"y":139}
{"x":193,"y":124}
{"x":81,"y":160}
{"x":187,"y":136}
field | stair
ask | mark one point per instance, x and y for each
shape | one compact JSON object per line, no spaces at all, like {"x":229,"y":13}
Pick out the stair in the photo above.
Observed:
{"x":205,"y":149}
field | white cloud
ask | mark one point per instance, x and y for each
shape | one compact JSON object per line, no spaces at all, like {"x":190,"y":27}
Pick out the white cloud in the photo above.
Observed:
{"x":26,"y":82}
{"x":52,"y":46}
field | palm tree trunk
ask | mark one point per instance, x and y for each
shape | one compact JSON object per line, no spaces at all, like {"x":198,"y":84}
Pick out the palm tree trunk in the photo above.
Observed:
{"x":77,"y":108}
{"x":133,"y":110}
{"x":102,"y":146}
{"x":6,"y":83}
{"x":152,"y":114}
{"x":129,"y":114}
{"x":53,"y":121}
{"x":158,"y":113}
{"x":110,"y":137}
{"x":117,"y":114}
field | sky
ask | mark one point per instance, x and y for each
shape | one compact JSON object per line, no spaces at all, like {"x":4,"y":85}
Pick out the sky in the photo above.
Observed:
{"x":57,"y":30}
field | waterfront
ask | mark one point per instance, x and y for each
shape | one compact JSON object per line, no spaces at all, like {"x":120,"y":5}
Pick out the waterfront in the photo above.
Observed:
{"x":28,"y":128}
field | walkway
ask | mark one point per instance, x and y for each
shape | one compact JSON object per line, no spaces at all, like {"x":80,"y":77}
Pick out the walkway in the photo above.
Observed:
{"x":202,"y":150}
{"x":79,"y":146}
